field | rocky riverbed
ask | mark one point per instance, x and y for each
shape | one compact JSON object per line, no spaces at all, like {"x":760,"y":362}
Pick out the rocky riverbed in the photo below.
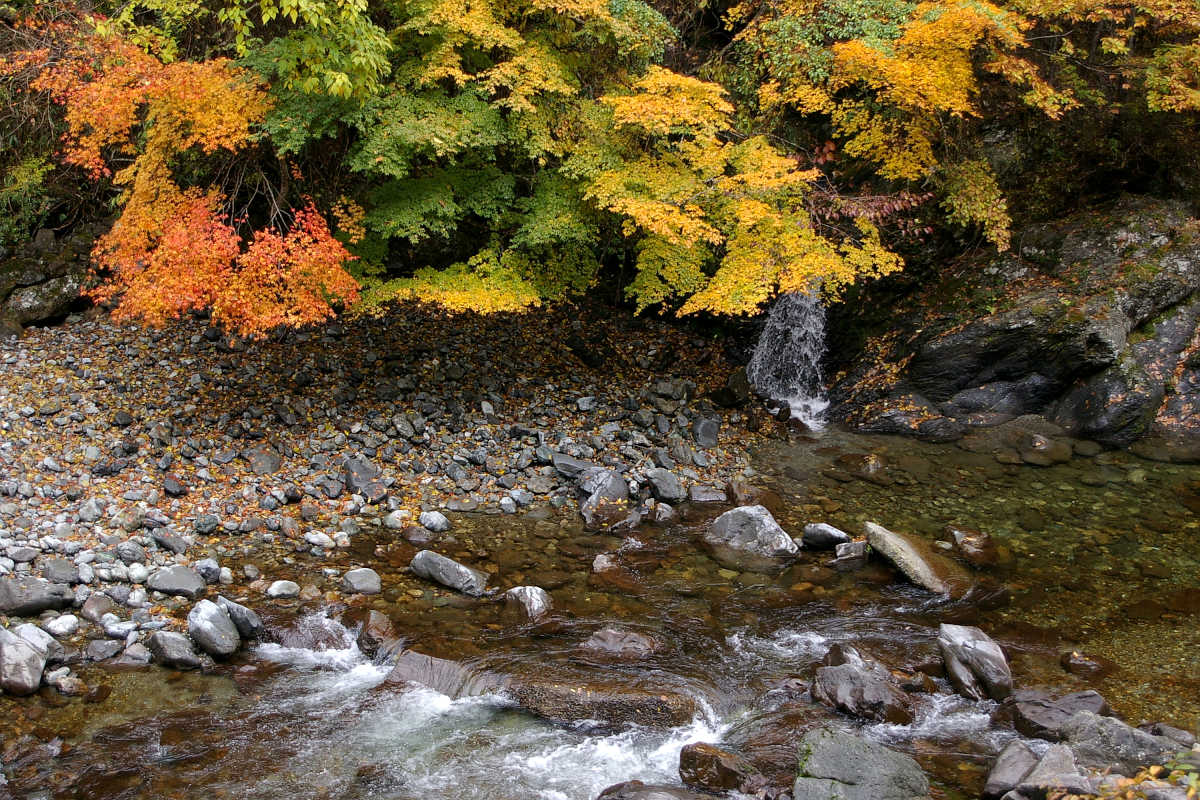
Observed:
{"x":397,"y":556}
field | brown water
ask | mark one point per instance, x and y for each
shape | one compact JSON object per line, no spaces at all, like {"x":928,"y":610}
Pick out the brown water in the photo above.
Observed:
{"x":1101,"y":555}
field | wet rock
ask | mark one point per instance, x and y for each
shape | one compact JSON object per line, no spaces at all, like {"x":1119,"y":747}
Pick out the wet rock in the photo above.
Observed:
{"x":1055,"y":773}
{"x":699,"y":493}
{"x":975,"y":663}
{"x":173,"y":649}
{"x":1040,"y":716}
{"x":102,"y":649}
{"x":377,"y":635}
{"x":849,"y":556}
{"x":665,"y":486}
{"x":1042,"y":451}
{"x":531,"y":602}
{"x":713,"y":769}
{"x":212,"y":630}
{"x":249,"y":625}
{"x":919,"y":562}
{"x":363,"y":580}
{"x":861,"y":687}
{"x":177,"y":580}
{"x":1083,"y":665}
{"x":604,"y":495}
{"x":1106,"y":743}
{"x":21,"y":664}
{"x":608,"y":704}
{"x":1012,"y":765}
{"x":442,"y":675}
{"x":283,"y":590}
{"x":434,"y":521}
{"x":25,"y":596}
{"x":621,"y":644}
{"x":432,"y":566}
{"x":836,"y":764}
{"x":976,"y":547}
{"x":636,"y":790}
{"x":749,"y":537}
{"x":821,"y":536}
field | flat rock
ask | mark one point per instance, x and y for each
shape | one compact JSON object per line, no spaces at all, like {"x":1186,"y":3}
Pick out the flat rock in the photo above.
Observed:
{"x":177,"y":580}
{"x":918,"y":562}
{"x":636,"y":790}
{"x":25,"y":596}
{"x":608,"y":704}
{"x":448,"y":572}
{"x":620,"y":644}
{"x":715,"y":769}
{"x":1040,"y":716}
{"x":836,"y":764}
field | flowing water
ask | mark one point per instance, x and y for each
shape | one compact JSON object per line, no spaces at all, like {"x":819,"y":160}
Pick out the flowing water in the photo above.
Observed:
{"x":786,"y":365}
{"x":1100,"y":554}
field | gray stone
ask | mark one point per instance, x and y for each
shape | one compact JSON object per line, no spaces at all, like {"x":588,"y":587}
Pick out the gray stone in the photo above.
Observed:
{"x":835,"y":765}
{"x":434,"y":521}
{"x":169,"y":541}
{"x":363,"y":580}
{"x":919,"y":563}
{"x":621,"y":644}
{"x":21,"y":664}
{"x":177,"y":580}
{"x":822,"y":536}
{"x":749,"y":537}
{"x":212,"y":630}
{"x":975,"y":662}
{"x":532,"y":602}
{"x":357,"y":472}
{"x":25,"y":596}
{"x":41,"y":641}
{"x":604,"y":496}
{"x":263,"y":459}
{"x":705,"y":430}
{"x":861,"y":687}
{"x":1106,"y":743}
{"x":173,"y":649}
{"x":62,"y":626}
{"x":59,"y":570}
{"x":208,"y":569}
{"x":102,"y":649}
{"x":700,"y":493}
{"x":206,"y":524}
{"x":1012,"y":765}
{"x":283,"y":589}
{"x":1055,"y":770}
{"x":130,"y":552}
{"x":96,"y":606}
{"x":432,"y":566}
{"x":664,"y":485}
{"x":1040,"y":716}
{"x":246,"y":620}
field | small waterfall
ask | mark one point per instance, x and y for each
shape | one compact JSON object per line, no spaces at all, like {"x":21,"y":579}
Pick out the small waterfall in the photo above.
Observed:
{"x":786,"y":365}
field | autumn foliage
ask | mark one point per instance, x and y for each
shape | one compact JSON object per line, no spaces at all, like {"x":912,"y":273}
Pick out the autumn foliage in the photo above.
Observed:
{"x":497,"y":154}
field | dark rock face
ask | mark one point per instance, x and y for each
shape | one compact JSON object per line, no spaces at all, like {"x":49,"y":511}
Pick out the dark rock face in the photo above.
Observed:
{"x":713,"y":769}
{"x":1095,"y":339}
{"x":1038,"y":715}
{"x":836,"y":764}
{"x":39,"y":284}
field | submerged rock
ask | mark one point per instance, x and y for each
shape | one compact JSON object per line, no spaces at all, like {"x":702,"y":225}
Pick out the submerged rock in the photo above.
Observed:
{"x":714,"y":769}
{"x":835,"y":765}
{"x":621,"y":644}
{"x":442,"y":675}
{"x":976,"y":664}
{"x":919,"y":562}
{"x":748,"y":537}
{"x":448,"y":572}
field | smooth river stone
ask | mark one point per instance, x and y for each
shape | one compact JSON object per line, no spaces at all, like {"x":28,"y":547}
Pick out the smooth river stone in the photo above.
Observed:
{"x":919,"y":562}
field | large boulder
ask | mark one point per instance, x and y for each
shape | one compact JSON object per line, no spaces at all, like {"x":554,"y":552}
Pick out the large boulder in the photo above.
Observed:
{"x":212,"y":630}
{"x":860,"y":686}
{"x":173,"y":649}
{"x":1106,"y":743}
{"x":748,"y":537}
{"x":918,"y":562}
{"x":448,"y":572}
{"x":25,"y":596}
{"x":715,"y":769}
{"x":975,"y":662}
{"x":836,"y":765}
{"x":35,"y":287}
{"x":1040,"y":716}
{"x":1012,"y":765}
{"x":249,"y":625}
{"x":665,"y":486}
{"x":603,"y":495}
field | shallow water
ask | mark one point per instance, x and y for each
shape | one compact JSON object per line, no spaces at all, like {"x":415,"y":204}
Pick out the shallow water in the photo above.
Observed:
{"x":1101,"y":555}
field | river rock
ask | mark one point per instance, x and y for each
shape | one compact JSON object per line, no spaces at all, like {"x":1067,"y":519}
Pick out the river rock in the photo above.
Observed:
{"x":821,"y":536}
{"x":1040,"y":716}
{"x":358,"y":471}
{"x":212,"y":630}
{"x":60,"y":570}
{"x":919,"y":562}
{"x":432,"y":566}
{"x":749,"y":537}
{"x":837,"y":765}
{"x":21,"y":664}
{"x":377,"y":635}
{"x":1106,"y":743}
{"x":1055,"y":772}
{"x":173,"y":649}
{"x":249,"y":625}
{"x":25,"y":596}
{"x":636,"y":790}
{"x":434,"y":521}
{"x":283,"y":590}
{"x":363,"y":580}
{"x":976,"y":547}
{"x":41,"y":641}
{"x":62,"y":626}
{"x":665,"y":486}
{"x":621,"y":644}
{"x":442,"y":675}
{"x":714,"y":769}
{"x":608,"y":704}
{"x":976,"y":664}
{"x":532,"y":602}
{"x":861,"y":687}
{"x":177,"y":580}
{"x":1012,"y":765}
{"x":604,"y":496}
{"x":102,"y":649}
